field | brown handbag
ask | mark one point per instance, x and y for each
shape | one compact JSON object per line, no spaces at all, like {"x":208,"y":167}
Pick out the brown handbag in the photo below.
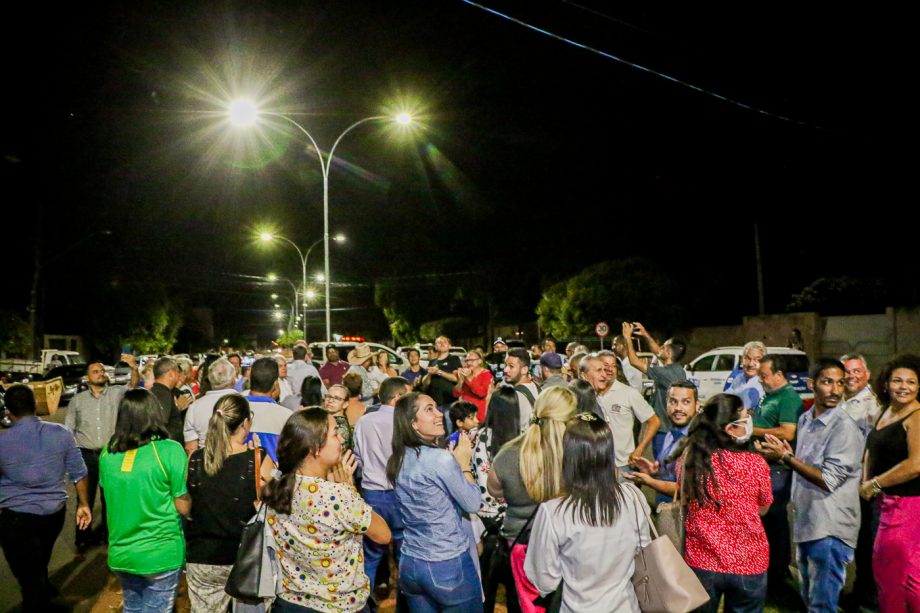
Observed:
{"x":662,"y":580}
{"x":671,"y":520}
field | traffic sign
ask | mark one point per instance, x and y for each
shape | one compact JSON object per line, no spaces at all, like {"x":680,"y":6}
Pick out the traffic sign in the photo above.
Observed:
{"x":602,"y":329}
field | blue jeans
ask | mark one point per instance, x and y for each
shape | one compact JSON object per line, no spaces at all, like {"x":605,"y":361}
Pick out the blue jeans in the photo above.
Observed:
{"x":776,"y":525}
{"x":823,"y":566}
{"x":743,"y":593}
{"x":386,"y":506}
{"x":149,"y":593}
{"x":450,"y":586}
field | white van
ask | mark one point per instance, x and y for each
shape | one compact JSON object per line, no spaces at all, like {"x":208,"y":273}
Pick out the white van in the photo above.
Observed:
{"x":713,"y":371}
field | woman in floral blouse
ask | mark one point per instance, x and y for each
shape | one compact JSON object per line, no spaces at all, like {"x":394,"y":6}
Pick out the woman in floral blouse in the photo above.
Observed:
{"x":319,"y":519}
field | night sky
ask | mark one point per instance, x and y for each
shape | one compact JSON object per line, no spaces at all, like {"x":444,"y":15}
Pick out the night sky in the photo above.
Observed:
{"x":536,"y":158}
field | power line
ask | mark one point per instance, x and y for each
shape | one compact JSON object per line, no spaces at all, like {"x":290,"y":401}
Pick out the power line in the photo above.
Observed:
{"x":651,"y":71}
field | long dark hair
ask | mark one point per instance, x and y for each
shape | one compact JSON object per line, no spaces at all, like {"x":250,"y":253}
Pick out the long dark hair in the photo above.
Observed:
{"x":404,"y":435}
{"x":230,"y":412}
{"x":705,"y":438}
{"x":589,"y":471}
{"x":304,"y":432}
{"x":311,"y":392}
{"x":503,"y":418}
{"x":140,"y":420}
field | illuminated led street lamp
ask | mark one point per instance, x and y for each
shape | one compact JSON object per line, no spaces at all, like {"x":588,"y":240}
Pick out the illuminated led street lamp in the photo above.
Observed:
{"x":304,"y":258}
{"x":245,"y":113}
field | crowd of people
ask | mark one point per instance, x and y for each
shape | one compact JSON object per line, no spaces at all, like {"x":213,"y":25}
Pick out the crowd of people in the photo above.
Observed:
{"x":497,"y":470}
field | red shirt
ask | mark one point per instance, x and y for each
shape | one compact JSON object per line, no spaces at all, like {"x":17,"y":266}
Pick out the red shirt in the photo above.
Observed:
{"x":475,"y":391}
{"x":334,"y":372}
{"x":731,"y":539}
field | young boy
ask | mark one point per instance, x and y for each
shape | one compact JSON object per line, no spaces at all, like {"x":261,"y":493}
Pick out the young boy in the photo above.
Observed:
{"x":463,"y":415}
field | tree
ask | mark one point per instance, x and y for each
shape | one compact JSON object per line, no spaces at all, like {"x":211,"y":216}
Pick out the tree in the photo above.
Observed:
{"x":15,"y":334}
{"x":144,"y":317}
{"x":634,"y":289}
{"x":842,"y":295}
{"x":290,"y":337}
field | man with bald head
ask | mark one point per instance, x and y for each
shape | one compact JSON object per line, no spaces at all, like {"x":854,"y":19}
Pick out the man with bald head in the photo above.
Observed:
{"x":91,"y":416}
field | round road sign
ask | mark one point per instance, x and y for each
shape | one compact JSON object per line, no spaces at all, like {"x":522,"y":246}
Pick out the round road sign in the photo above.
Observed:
{"x":602,"y":329}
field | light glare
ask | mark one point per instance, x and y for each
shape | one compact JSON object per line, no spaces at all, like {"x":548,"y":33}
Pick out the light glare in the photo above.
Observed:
{"x":243,"y":113}
{"x":404,"y":119}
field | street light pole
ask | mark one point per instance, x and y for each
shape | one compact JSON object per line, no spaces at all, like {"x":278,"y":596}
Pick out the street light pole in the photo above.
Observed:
{"x":244,"y":112}
{"x":325,"y":164}
{"x":304,"y":258}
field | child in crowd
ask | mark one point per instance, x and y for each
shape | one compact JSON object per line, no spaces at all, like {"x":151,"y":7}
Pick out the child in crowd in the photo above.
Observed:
{"x":463,"y":415}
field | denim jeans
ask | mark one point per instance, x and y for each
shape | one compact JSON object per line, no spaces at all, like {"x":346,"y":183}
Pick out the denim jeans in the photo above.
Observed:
{"x":776,"y":525}
{"x":149,"y":593}
{"x":386,"y":506}
{"x":743,"y":593}
{"x":449,"y":586}
{"x":823,"y":567}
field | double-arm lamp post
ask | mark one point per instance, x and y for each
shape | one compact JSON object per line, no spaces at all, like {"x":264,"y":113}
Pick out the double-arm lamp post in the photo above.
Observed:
{"x":304,"y":258}
{"x":245,"y":113}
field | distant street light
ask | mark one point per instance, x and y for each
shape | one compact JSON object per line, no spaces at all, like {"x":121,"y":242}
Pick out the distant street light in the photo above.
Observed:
{"x":245,"y":113}
{"x":268,"y":237}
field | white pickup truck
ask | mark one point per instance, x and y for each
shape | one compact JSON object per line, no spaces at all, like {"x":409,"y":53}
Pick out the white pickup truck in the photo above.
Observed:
{"x":50,"y":358}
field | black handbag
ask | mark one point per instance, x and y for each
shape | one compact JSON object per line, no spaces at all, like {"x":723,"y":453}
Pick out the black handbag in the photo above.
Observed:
{"x":246,"y":576}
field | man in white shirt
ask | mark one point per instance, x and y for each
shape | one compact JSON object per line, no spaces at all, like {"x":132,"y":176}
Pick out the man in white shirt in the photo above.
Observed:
{"x":622,"y":406}
{"x":222,"y":376}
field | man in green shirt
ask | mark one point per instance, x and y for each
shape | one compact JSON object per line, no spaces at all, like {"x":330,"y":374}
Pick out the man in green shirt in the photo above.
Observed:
{"x":777,"y":414}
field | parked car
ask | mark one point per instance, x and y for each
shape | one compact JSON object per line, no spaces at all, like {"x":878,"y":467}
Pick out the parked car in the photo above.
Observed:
{"x":74,"y":376}
{"x":714,"y":371}
{"x":397,"y":362}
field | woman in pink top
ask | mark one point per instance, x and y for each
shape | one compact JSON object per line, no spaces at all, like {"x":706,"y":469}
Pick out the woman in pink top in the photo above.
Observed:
{"x":726,"y":489}
{"x":473,"y":382}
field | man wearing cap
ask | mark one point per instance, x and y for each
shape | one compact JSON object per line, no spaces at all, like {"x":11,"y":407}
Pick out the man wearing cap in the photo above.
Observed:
{"x":551,"y":367}
{"x":361,"y":359}
{"x":496,"y":359}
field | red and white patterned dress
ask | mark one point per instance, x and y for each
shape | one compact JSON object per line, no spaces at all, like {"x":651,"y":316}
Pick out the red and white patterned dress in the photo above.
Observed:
{"x":730,"y":538}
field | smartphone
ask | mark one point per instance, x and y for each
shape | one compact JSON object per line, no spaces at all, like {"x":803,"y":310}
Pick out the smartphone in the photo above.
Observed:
{"x":126,"y":348}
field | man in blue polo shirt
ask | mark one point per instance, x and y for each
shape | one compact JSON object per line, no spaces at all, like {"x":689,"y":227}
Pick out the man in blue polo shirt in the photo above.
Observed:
{"x":34,"y":457}
{"x":268,"y":417}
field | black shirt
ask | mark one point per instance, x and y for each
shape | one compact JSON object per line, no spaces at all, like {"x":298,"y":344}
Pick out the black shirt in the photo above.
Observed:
{"x":440,"y":389}
{"x":221,"y":506}
{"x":888,"y":447}
{"x":171,"y":415}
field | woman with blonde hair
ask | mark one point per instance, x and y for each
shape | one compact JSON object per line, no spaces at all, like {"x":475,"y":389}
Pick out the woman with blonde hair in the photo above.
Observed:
{"x":224,"y":479}
{"x":528,"y":471}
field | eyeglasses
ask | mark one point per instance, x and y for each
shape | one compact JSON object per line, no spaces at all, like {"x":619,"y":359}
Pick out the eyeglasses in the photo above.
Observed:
{"x":331,"y":397}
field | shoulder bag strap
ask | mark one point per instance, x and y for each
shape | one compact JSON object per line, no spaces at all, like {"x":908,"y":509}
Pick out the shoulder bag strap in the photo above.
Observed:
{"x":524,"y":529}
{"x":258,"y":471}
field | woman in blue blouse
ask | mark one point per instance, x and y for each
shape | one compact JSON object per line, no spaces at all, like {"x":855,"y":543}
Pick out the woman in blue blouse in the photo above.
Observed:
{"x":434,"y":488}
